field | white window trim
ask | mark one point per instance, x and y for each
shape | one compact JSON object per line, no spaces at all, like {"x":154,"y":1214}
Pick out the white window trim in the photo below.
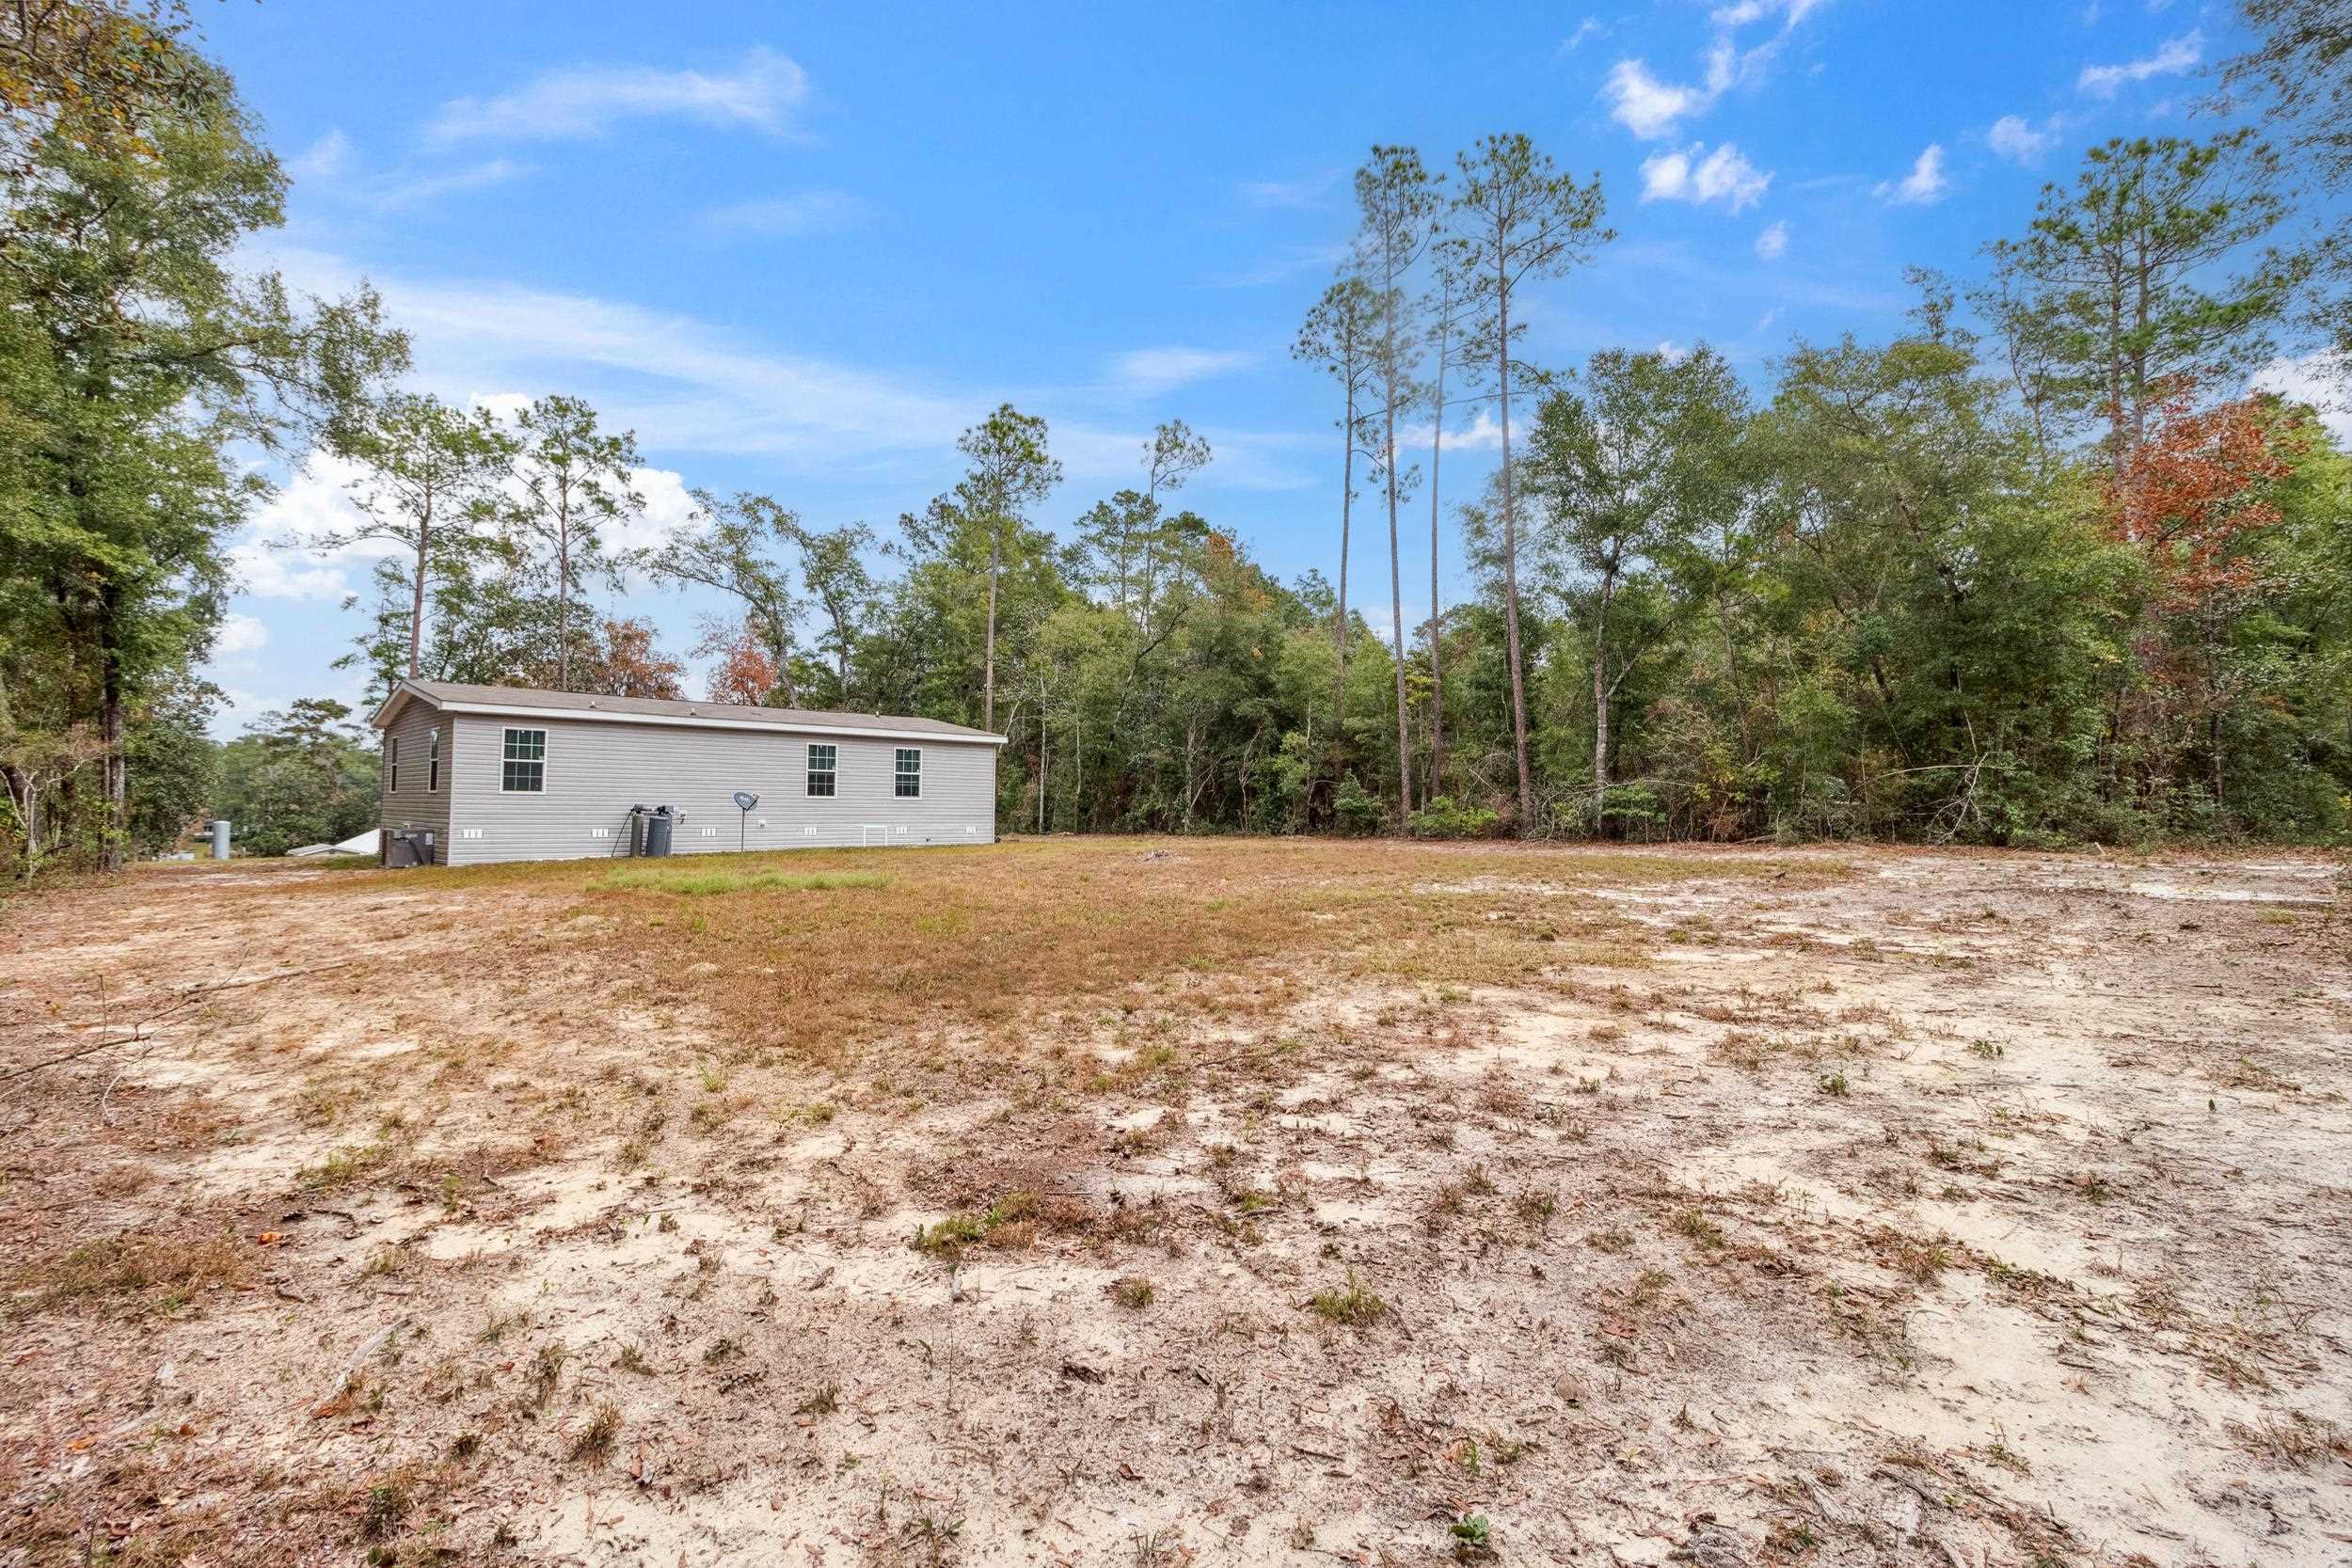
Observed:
{"x":391,"y":765}
{"x":504,"y":729}
{"x":433,"y":762}
{"x":897,"y":773}
{"x":809,"y":794}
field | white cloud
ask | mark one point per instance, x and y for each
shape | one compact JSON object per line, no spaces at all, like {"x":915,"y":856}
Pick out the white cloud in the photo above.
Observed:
{"x":1773,"y":244}
{"x":1148,"y":371}
{"x":803,"y":213}
{"x":667,"y":507}
{"x":2020,"y":143}
{"x":2322,"y":380}
{"x":1484,"y":433}
{"x":1647,"y":106}
{"x":323,"y":159}
{"x":280,"y":557}
{"x":760,"y":94}
{"x":1697,"y":176}
{"x":1589,"y":27}
{"x":1651,"y":108}
{"x":2172,"y":57}
{"x":1923,"y":187}
{"x":239,"y":634}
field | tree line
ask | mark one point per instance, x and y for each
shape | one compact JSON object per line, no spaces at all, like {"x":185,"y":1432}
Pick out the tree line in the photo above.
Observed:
{"x":2035,"y":569}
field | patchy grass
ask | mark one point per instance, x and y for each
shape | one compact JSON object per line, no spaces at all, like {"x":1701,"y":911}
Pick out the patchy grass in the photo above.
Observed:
{"x":1355,"y":1307}
{"x":696,"y":881}
{"x":441,"y":1170}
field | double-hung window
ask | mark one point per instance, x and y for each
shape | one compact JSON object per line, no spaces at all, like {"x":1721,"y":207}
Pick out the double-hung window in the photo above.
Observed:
{"x":432,"y":761}
{"x":524,"y":769}
{"x":391,"y":765}
{"x":909,"y":783}
{"x":824,"y":769}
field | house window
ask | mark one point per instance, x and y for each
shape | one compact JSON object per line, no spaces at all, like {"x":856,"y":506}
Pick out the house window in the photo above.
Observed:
{"x":391,"y":765}
{"x":432,"y":761}
{"x":824,"y":763}
{"x":909,"y":780}
{"x":525,"y":769}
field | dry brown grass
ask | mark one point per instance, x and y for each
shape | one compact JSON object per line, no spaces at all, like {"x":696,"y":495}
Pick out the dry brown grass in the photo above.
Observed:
{"x":826,"y":948}
{"x":972,"y":1186}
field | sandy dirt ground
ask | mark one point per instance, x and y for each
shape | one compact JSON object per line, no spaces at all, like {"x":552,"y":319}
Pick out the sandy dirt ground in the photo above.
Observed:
{"x":1835,"y":1206}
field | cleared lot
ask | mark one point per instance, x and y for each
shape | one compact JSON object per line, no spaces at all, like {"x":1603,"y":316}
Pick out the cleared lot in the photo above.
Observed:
{"x":1120,"y":1200}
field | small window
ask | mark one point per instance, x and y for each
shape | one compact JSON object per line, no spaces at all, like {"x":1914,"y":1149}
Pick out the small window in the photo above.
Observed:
{"x":910,"y":780}
{"x":391,"y":765}
{"x":824,"y":769}
{"x":525,"y":768}
{"x":432,"y":762}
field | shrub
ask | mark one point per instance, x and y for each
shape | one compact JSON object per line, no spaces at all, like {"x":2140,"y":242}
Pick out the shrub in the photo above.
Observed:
{"x":1445,"y":818}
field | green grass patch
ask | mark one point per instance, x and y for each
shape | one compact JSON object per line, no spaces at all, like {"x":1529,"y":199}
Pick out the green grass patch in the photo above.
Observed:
{"x":694,"y":881}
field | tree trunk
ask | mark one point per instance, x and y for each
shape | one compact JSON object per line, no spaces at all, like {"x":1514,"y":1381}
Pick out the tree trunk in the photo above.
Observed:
{"x":1044,"y":778}
{"x":988,"y":670}
{"x":1600,"y":734}
{"x":1396,"y":618}
{"x":1347,"y":500}
{"x":111,"y":705}
{"x":564,"y":587}
{"x":1511,"y":559}
{"x":416,"y":590}
{"x":1437,"y":614}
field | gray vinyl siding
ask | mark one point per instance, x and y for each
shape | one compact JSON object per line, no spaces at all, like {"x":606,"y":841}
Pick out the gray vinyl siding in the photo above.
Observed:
{"x":413,"y":805}
{"x":596,"y":770}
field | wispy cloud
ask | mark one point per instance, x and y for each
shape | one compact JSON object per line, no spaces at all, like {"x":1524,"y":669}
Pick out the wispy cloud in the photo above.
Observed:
{"x":1699,"y":177}
{"x":762,"y":93}
{"x":1269,"y":195}
{"x":1280,"y":265}
{"x":1923,"y":187}
{"x":324,"y":159}
{"x":1590,"y":27}
{"x":1773,"y":244}
{"x":398,"y":194}
{"x":2020,"y":143}
{"x":330,"y":167}
{"x":2172,"y":57}
{"x":1148,"y":371}
{"x":799,"y":213}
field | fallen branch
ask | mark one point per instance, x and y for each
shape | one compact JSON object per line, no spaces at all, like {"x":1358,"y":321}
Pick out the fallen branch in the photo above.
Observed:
{"x":138,"y":1035}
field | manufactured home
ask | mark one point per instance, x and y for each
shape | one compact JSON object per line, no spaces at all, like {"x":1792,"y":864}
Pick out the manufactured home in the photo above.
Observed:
{"x":479,"y":773}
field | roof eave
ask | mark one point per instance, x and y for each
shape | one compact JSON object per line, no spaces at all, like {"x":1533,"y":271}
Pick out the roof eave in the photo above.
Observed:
{"x":607,"y":715}
{"x":382,"y":718}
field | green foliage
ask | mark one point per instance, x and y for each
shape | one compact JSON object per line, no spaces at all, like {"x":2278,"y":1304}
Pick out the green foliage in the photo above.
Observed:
{"x":1355,"y":809}
{"x":1445,"y":818}
{"x":297,"y":777}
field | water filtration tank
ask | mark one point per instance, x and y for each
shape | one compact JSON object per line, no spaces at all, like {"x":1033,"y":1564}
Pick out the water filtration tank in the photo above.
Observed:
{"x":658,"y":829}
{"x":220,"y":838}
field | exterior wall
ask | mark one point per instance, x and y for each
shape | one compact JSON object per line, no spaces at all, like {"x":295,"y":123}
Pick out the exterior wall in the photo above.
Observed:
{"x":413,"y":805}
{"x":596,"y":770}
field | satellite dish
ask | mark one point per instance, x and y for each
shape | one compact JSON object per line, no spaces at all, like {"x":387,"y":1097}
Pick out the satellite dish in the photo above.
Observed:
{"x":745,"y":799}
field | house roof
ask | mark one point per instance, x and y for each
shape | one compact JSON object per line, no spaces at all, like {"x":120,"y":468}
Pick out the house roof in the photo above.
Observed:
{"x":455,"y":697}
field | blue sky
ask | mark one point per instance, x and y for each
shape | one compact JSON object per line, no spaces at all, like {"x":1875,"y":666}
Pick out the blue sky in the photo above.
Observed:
{"x":798,"y":249}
